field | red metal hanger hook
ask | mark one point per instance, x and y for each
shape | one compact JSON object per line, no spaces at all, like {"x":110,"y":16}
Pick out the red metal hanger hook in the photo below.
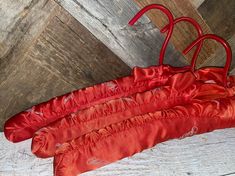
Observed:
{"x":225,"y":45}
{"x":170,"y":28}
{"x":199,"y":31}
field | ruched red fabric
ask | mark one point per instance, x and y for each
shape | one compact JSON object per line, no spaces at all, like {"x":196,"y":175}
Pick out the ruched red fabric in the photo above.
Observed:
{"x":23,"y":125}
{"x":180,"y":89}
{"x":116,"y":141}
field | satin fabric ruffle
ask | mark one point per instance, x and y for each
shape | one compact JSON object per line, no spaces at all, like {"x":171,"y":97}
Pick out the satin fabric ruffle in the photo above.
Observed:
{"x":180,"y":89}
{"x":23,"y":125}
{"x":116,"y":141}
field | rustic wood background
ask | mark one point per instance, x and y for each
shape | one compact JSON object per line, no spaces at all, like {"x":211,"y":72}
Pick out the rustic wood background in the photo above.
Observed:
{"x":51,"y":47}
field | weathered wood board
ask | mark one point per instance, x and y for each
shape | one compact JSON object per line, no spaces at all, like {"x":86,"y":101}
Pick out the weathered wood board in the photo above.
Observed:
{"x":197,"y":3}
{"x":209,"y":154}
{"x":219,"y":57}
{"x":220,"y":16}
{"x":108,"y":21}
{"x":20,"y":23}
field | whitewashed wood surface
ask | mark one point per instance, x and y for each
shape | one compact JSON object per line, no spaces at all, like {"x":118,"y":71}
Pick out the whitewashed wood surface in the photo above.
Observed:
{"x":211,"y":154}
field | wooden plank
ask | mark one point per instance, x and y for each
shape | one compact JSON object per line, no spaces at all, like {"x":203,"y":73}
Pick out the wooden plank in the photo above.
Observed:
{"x":9,"y":21}
{"x":23,"y":29}
{"x":108,"y":19}
{"x":76,"y":55}
{"x":25,"y":22}
{"x":220,"y":16}
{"x":219,"y":57}
{"x":197,"y":3}
{"x":184,"y":33}
{"x":20,"y":22}
{"x":64,"y":57}
{"x":207,"y":154}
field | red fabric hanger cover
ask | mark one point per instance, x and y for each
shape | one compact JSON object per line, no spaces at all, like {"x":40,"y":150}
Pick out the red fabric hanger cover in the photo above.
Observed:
{"x":180,"y":89}
{"x":23,"y":125}
{"x":47,"y":139}
{"x":106,"y":145}
{"x":119,"y":140}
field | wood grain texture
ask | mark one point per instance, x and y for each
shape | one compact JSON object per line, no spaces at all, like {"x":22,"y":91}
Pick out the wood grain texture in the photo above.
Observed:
{"x":184,"y":33}
{"x":108,"y":19}
{"x":17,"y":42}
{"x":10,"y":23}
{"x":197,"y":3}
{"x":210,"y":154}
{"x":20,"y":22}
{"x":219,"y":57}
{"x":220,"y":16}
{"x":32,"y":25}
{"x":67,"y":49}
{"x":64,"y":57}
